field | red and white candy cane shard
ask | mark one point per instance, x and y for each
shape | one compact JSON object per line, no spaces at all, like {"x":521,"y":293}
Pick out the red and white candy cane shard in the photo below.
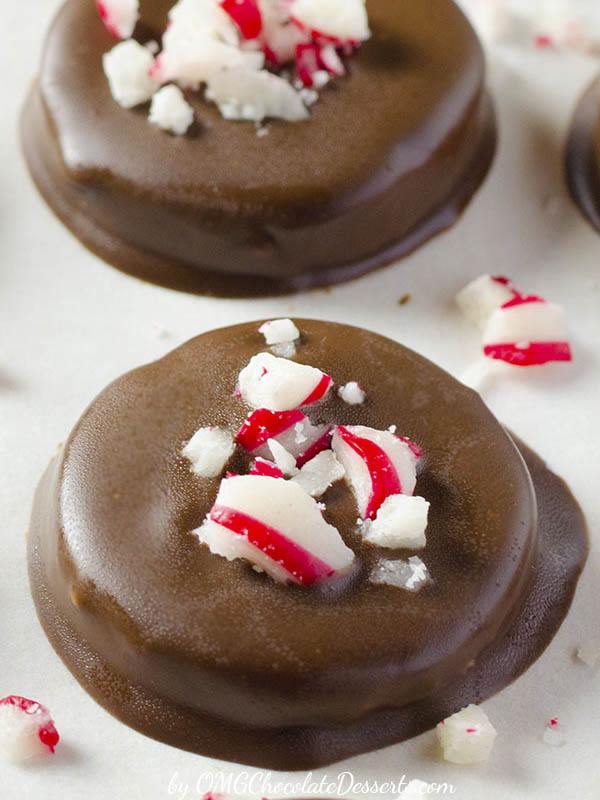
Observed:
{"x":26,"y":728}
{"x":261,"y":466}
{"x":312,"y":58}
{"x":246,"y":15}
{"x":336,"y":21}
{"x":119,"y":16}
{"x":323,"y":442}
{"x":527,"y":331}
{"x":480,"y":298}
{"x":262,"y":425}
{"x":279,"y":384}
{"x":292,"y":429}
{"x":277,"y":526}
{"x":378,"y":464}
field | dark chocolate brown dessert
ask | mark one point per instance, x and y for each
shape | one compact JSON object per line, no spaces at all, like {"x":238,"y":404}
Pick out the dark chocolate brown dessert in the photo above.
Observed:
{"x":583,"y":155}
{"x":389,"y":156}
{"x":338,"y":635}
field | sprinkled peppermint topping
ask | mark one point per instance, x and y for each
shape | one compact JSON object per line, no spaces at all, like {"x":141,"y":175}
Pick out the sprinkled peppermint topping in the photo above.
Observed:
{"x":233,"y":47}
{"x":411,"y":575}
{"x":209,"y":450}
{"x":26,"y":729}
{"x":170,"y":110}
{"x":466,"y":737}
{"x":127,"y":67}
{"x":267,"y":515}
{"x":352,"y":393}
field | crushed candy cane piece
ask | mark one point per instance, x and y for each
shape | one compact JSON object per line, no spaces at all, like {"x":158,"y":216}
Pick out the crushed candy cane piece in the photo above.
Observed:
{"x":246,"y":15}
{"x":284,"y":460}
{"x":341,"y":20}
{"x":119,"y":16}
{"x":411,"y":575}
{"x":352,"y":394}
{"x":245,"y":95}
{"x":292,"y":429}
{"x":466,"y":737}
{"x":200,"y":40}
{"x":589,"y":653}
{"x":277,"y":526}
{"x":127,"y":67}
{"x":318,"y":474}
{"x":401,"y":522}
{"x":555,"y":734}
{"x":280,"y":36}
{"x":527,"y":331}
{"x":279,"y":331}
{"x":26,"y":729}
{"x":263,"y":466}
{"x":170,"y":110}
{"x":377,"y":463}
{"x":209,"y":450}
{"x":284,"y":350}
{"x":480,"y":298}
{"x":278,"y":384}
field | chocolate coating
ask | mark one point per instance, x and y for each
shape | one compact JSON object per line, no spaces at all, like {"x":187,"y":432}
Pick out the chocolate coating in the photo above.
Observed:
{"x":210,"y":656}
{"x":583,"y":155}
{"x":390,"y":156}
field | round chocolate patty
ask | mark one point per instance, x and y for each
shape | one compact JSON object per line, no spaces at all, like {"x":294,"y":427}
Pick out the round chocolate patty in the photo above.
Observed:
{"x":583,"y":155}
{"x":212,"y":657}
{"x":390,"y":156}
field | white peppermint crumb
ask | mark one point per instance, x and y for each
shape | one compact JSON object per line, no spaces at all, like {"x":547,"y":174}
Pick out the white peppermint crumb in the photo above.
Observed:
{"x":171,"y":111}
{"x":284,"y":350}
{"x":262,"y":131}
{"x":320,"y":79}
{"x":19,"y":739}
{"x":589,"y":653}
{"x":127,"y":68}
{"x":309,"y":96}
{"x":480,"y":298}
{"x":318,"y":474}
{"x":352,"y":394}
{"x":393,"y":428}
{"x":152,"y":46}
{"x":410,"y":575}
{"x":401,"y":522}
{"x":554,"y":734}
{"x":284,"y":460}
{"x":243,"y":94}
{"x":279,"y":331}
{"x":299,"y":436}
{"x":466,"y":737}
{"x":321,"y":506}
{"x":209,"y":450}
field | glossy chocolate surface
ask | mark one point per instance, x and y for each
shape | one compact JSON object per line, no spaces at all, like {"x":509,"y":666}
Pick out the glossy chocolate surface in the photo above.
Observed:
{"x":583,"y":155}
{"x":390,"y":156}
{"x":212,"y":657}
